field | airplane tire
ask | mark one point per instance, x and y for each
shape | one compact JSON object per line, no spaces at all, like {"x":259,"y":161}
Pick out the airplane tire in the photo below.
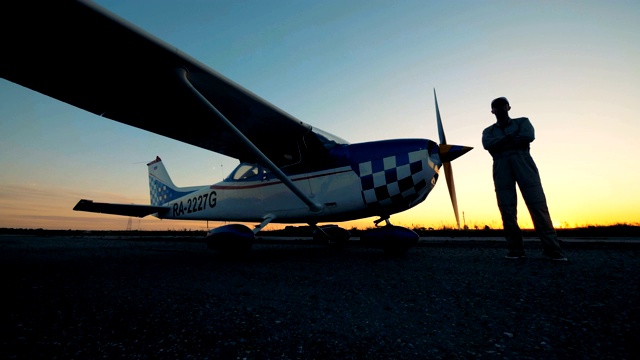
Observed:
{"x":232,"y":240}
{"x":393,"y":240}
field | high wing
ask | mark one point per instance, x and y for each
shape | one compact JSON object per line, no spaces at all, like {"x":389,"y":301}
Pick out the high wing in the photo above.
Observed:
{"x":83,"y":55}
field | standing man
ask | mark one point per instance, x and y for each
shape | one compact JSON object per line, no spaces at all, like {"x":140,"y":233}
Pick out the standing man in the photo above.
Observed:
{"x":508,"y":143}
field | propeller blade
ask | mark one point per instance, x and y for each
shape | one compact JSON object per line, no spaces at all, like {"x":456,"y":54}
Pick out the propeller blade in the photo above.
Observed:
{"x":448,"y":173}
{"x":443,"y":140}
{"x":447,"y":154}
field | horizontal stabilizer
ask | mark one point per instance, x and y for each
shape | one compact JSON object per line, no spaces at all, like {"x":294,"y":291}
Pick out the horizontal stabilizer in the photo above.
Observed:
{"x":451,"y":152}
{"x":119,"y":209}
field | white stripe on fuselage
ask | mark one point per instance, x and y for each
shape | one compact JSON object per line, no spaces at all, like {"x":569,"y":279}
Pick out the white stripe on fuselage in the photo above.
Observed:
{"x":338,"y":189}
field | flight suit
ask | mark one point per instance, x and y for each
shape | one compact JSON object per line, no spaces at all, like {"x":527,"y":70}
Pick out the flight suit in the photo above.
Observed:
{"x":512,"y":163}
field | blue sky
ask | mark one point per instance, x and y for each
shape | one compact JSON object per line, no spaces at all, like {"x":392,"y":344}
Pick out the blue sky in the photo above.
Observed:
{"x":363,"y":70}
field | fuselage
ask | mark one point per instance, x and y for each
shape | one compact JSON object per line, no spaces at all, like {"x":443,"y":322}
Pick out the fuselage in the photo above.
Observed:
{"x":368,"y":179}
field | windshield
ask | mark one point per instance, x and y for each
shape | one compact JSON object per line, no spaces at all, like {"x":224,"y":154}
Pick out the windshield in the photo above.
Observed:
{"x":328,"y":140}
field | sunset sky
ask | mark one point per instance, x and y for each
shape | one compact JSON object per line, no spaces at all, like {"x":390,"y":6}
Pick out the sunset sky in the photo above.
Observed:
{"x":362,"y":70}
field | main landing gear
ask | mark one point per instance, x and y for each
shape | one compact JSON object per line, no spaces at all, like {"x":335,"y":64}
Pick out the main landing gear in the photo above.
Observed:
{"x":233,"y":240}
{"x":236,"y":240}
{"x":333,"y":235}
{"x":393,"y":240}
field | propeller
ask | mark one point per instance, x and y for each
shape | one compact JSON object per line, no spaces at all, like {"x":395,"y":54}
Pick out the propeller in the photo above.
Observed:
{"x":447,"y":154}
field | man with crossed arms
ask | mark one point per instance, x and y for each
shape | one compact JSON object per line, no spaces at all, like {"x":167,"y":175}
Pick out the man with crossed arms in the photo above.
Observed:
{"x":508,"y":143}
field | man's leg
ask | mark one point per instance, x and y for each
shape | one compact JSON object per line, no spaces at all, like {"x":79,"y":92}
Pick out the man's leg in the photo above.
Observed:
{"x":505,"y":187}
{"x":530,"y":185}
{"x":544,"y":227}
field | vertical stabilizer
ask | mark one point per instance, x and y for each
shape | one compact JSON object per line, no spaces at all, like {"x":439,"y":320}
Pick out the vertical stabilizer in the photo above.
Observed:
{"x":161,"y":188}
{"x":159,"y":172}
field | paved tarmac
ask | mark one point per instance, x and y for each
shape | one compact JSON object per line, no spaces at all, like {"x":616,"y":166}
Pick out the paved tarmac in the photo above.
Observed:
{"x":448,"y":298}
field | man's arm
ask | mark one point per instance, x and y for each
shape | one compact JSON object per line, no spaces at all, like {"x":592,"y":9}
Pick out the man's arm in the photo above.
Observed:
{"x":525,"y":132}
{"x":518,"y":134}
{"x":495,"y":140}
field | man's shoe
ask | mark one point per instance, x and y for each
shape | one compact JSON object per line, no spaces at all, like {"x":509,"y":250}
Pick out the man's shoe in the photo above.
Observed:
{"x":555,"y":256}
{"x":515,"y":255}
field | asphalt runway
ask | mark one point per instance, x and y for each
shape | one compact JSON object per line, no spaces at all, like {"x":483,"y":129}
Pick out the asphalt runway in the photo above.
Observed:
{"x":88,"y":298}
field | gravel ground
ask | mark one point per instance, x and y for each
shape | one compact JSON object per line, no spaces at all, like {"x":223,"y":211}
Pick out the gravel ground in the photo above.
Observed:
{"x":87,"y":298}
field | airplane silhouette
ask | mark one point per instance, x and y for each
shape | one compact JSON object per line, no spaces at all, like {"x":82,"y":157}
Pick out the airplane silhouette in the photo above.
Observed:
{"x":289,"y":171}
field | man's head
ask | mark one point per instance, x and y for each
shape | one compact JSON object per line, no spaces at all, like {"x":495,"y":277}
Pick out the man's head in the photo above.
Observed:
{"x":500,"y":108}
{"x":500,"y":104}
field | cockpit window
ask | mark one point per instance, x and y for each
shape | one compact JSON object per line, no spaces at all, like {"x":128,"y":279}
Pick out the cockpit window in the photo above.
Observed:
{"x":247,"y":171}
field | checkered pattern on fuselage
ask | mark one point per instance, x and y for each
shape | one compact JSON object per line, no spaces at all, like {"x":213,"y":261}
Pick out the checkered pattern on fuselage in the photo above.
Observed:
{"x":393,"y":180}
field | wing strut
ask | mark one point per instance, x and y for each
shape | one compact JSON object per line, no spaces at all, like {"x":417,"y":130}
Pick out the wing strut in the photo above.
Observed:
{"x":264,"y":223}
{"x":313,"y":206}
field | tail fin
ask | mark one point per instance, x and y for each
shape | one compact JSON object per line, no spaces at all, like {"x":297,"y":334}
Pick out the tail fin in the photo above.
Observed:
{"x":161,"y":188}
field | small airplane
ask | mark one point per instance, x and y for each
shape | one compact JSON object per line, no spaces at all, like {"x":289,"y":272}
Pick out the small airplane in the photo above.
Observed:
{"x":289,"y":171}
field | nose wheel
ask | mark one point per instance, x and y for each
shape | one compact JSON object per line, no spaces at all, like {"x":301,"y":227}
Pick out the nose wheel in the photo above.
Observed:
{"x":393,"y":240}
